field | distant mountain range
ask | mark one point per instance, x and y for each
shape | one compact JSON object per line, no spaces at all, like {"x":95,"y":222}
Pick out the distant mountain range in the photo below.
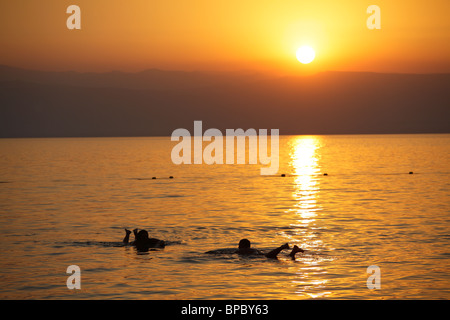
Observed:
{"x":155,"y":102}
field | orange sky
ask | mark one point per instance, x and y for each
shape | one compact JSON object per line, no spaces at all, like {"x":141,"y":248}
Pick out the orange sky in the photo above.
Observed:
{"x":226,"y":35}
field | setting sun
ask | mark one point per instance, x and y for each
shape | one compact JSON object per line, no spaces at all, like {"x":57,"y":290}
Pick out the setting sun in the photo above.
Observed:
{"x":305,"y":54}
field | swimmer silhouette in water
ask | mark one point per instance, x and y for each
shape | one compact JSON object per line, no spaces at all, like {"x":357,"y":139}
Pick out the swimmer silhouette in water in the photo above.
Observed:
{"x":141,"y":240}
{"x":245,"y":248}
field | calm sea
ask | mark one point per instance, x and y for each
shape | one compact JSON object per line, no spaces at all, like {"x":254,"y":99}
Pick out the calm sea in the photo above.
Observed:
{"x":66,"y":202}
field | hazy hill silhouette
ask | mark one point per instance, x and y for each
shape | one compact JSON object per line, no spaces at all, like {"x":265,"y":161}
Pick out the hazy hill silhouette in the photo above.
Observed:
{"x":155,"y":102}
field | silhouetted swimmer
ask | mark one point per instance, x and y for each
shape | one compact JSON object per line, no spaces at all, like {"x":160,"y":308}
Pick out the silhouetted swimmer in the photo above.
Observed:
{"x":411,"y":172}
{"x":171,"y":177}
{"x":325,"y":174}
{"x":245,"y":248}
{"x":142,"y":242}
{"x":153,"y":177}
{"x":283,"y":175}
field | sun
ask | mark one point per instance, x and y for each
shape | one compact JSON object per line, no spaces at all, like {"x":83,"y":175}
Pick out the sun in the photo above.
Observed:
{"x":305,"y":54}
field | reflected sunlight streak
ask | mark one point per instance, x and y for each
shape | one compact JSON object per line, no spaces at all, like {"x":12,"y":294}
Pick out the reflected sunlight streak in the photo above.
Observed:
{"x":304,"y":162}
{"x":305,"y":166}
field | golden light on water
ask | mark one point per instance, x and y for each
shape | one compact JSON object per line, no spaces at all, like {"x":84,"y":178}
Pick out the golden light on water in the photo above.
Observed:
{"x":304,"y":162}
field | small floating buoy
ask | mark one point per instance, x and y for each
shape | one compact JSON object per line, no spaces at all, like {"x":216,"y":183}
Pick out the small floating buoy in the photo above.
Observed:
{"x":411,"y":172}
{"x":170,"y":177}
{"x":283,"y":175}
{"x":325,"y":174}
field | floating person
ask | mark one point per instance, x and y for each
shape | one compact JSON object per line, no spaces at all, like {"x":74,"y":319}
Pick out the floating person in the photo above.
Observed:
{"x":245,"y":248}
{"x":142,"y":242}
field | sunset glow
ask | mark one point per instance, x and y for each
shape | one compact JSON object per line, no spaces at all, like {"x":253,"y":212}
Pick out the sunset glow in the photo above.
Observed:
{"x":205,"y":35}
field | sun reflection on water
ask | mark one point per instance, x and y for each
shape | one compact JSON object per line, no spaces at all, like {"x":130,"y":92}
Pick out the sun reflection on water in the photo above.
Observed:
{"x":304,"y":162}
{"x":305,"y":167}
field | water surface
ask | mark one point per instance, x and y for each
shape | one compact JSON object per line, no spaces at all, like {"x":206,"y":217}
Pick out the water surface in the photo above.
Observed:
{"x":66,"y":201}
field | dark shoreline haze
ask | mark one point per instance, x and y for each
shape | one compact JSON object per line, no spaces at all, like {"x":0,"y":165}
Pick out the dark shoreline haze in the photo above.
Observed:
{"x":155,"y":102}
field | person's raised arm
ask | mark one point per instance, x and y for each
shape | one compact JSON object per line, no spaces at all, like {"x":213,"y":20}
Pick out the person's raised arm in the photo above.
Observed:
{"x":127,"y":236}
{"x":295,"y":249}
{"x":274,"y":253}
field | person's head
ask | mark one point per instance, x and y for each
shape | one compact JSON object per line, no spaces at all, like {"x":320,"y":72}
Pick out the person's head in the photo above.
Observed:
{"x":244,"y":244}
{"x":142,"y":235}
